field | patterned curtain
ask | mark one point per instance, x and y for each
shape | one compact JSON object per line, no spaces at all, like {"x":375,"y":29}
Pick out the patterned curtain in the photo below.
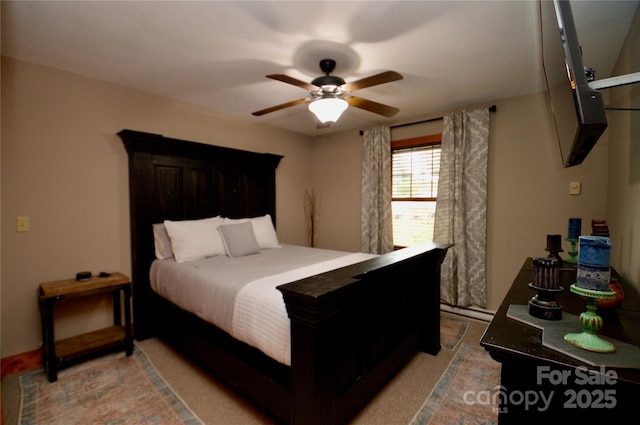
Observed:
{"x":461,"y":208}
{"x":377,"y":225}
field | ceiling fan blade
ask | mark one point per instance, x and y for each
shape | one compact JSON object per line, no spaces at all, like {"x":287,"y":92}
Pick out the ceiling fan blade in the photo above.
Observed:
{"x":371,"y":106}
{"x":294,"y":81}
{"x":374,"y":80}
{"x":281,"y":106}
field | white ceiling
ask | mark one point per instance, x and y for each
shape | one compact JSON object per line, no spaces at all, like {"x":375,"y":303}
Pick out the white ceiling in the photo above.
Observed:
{"x":217,"y":53}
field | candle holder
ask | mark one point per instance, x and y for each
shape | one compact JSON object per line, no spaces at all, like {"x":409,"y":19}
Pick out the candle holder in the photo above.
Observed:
{"x":554,"y":248}
{"x":573,"y":252}
{"x":544,"y":305}
{"x":545,"y":278}
{"x":591,"y":322}
{"x":555,"y":254}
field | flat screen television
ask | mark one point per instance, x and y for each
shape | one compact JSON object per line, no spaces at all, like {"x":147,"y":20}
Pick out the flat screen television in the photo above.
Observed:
{"x":577,"y":109}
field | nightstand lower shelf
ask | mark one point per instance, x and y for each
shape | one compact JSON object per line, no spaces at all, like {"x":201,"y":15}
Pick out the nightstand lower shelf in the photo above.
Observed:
{"x":79,"y":346}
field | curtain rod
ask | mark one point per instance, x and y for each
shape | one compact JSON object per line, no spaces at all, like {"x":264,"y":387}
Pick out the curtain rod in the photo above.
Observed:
{"x":492,"y":108}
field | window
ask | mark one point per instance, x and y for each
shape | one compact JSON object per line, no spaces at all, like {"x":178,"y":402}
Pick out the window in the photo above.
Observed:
{"x":415,"y":166}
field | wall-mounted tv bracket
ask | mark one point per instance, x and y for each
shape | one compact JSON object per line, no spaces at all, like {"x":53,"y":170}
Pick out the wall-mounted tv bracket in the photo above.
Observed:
{"x":590,"y":73}
{"x":620,"y":80}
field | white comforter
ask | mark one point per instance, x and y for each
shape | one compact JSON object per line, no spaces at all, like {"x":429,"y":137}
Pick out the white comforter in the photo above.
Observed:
{"x":238,"y":294}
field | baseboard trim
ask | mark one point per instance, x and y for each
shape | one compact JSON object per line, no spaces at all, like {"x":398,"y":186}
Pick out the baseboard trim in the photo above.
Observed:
{"x":471,"y":312}
{"x":20,"y":362}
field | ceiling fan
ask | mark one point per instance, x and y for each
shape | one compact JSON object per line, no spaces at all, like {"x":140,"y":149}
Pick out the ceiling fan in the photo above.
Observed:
{"x":331,"y":94}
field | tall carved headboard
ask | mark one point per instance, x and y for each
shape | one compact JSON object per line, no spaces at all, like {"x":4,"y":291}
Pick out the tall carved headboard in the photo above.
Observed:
{"x":172,"y":179}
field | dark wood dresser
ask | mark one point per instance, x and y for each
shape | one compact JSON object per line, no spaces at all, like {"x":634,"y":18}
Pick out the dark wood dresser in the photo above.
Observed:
{"x":540,"y":385}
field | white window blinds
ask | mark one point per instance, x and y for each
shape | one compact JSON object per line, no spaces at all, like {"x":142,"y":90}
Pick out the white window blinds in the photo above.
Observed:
{"x":415,"y":173}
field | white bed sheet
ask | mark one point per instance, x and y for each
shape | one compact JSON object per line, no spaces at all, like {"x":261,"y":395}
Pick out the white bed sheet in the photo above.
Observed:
{"x":238,"y":294}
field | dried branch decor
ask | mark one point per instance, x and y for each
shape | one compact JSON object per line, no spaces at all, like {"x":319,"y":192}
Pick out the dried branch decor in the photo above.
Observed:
{"x":311,"y":207}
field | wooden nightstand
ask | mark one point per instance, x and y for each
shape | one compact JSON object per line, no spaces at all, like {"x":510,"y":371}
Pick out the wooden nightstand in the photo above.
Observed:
{"x":57,"y":354}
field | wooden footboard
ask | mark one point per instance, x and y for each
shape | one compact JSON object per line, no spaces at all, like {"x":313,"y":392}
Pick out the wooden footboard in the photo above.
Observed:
{"x":353,"y":328}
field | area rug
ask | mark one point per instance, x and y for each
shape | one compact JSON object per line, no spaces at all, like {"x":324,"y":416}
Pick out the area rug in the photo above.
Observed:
{"x":466,"y":393}
{"x":452,"y":329}
{"x":112,"y":389}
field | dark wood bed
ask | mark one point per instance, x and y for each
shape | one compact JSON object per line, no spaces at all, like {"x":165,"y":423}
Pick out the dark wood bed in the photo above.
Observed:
{"x":351,"y":328}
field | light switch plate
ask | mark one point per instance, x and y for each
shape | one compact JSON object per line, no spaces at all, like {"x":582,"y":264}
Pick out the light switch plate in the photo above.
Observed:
{"x":574,"y":188}
{"x":22,"y":224}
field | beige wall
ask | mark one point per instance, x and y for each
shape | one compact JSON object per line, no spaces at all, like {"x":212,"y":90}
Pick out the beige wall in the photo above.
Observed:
{"x":64,"y":167}
{"x":623,"y":206}
{"x":529,"y":190}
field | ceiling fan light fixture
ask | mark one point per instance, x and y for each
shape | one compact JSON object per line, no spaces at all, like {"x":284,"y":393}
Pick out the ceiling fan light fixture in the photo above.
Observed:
{"x":328,"y":109}
{"x":330,"y":96}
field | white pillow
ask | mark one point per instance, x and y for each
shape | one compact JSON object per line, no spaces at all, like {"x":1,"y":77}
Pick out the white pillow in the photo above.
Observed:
{"x":265,"y":232}
{"x":162,"y":242}
{"x":238,"y":239}
{"x":195,"y":239}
